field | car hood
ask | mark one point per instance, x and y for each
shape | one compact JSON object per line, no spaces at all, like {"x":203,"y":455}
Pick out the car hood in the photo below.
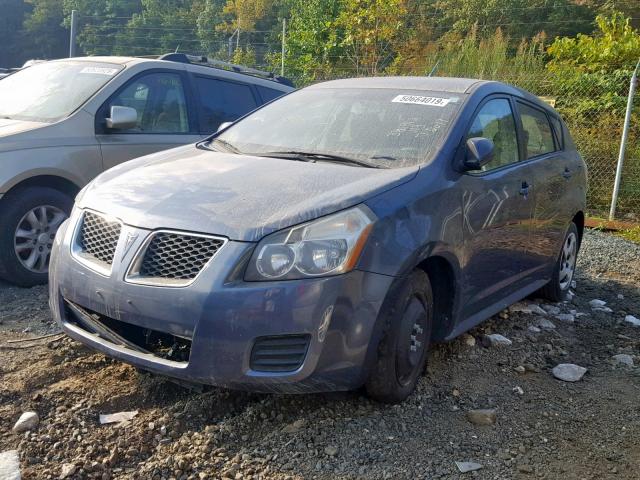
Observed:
{"x":238,"y":196}
{"x":11,"y":127}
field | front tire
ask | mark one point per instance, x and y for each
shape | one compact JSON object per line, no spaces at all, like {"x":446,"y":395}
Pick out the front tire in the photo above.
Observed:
{"x":564,"y":269}
{"x":29,"y":220}
{"x":403,"y":351}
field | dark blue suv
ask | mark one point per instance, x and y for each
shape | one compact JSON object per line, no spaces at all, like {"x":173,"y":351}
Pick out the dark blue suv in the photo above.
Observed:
{"x":325,"y":240}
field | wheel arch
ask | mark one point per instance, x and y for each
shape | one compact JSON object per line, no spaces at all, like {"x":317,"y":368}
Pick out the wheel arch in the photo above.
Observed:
{"x":57,"y":182}
{"x":442,"y":276}
{"x":578,"y":219}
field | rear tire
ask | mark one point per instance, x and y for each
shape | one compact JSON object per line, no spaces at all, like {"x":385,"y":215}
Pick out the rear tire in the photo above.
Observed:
{"x":564,"y":268}
{"x":29,"y":220}
{"x":403,"y":351}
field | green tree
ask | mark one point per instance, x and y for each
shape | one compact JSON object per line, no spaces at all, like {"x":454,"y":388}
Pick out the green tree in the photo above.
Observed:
{"x":13,"y":13}
{"x":314,"y":41}
{"x":370,"y":28}
{"x":615,"y":45}
{"x":48,"y":38}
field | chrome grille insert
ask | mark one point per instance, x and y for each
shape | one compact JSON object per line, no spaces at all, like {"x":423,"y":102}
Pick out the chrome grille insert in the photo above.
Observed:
{"x":172,"y":258}
{"x":96,"y":241}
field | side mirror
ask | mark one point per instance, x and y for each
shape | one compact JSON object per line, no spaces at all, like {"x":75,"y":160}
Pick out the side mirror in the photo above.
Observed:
{"x":223,"y":125}
{"x":478,"y":153}
{"x":122,"y":118}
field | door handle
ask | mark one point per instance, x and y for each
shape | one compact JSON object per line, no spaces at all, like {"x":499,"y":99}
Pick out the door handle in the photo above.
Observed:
{"x":524,"y":189}
{"x":567,"y":173}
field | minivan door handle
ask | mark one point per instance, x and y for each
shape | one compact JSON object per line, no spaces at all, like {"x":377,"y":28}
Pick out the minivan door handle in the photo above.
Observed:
{"x":567,"y":173}
{"x":524,"y":189}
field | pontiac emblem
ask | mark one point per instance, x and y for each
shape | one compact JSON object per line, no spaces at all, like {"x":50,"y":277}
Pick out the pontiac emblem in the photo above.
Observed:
{"x":131,"y":238}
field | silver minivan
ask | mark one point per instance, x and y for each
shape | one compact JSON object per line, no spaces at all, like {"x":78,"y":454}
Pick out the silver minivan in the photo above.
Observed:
{"x":65,"y":121}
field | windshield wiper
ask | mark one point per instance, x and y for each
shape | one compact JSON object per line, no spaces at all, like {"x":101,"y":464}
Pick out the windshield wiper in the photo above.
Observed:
{"x":318,"y":157}
{"x":226,"y":145}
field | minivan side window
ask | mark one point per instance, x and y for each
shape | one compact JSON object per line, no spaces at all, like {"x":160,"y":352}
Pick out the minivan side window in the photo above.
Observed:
{"x":222,"y":101}
{"x":536,"y":129}
{"x":495,"y":121}
{"x":160,"y":101}
{"x":269,"y":94}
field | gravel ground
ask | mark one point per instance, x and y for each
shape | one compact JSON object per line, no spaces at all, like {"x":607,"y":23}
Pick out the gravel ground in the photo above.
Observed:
{"x":545,"y":428}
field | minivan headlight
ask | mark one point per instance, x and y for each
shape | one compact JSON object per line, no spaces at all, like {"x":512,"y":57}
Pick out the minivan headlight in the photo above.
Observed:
{"x":327,"y":246}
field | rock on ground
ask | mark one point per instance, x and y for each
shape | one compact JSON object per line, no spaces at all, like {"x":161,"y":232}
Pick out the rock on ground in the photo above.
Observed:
{"x":632,"y":320}
{"x":9,"y":465}
{"x":465,"y":467}
{"x":482,"y":417}
{"x":495,"y":339}
{"x":27,"y":421}
{"x":624,"y":359}
{"x":568,"y":372}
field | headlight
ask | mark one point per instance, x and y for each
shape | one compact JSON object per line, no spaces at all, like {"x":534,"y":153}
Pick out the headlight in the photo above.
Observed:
{"x":327,"y":246}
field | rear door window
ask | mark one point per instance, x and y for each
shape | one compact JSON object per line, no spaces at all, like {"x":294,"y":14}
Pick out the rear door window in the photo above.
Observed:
{"x":159,"y":99}
{"x":557,"y":126}
{"x":222,"y":101}
{"x":536,"y":129}
{"x":495,"y":121}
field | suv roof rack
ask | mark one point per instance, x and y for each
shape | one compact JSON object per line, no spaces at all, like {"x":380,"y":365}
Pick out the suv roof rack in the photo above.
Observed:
{"x":202,"y":60}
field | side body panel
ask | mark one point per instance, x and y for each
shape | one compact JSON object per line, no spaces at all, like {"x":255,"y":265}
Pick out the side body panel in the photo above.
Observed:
{"x":66,"y":149}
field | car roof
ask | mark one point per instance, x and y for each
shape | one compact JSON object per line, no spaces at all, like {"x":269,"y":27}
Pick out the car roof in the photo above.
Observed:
{"x":436,"y":84}
{"x":204,"y":69}
{"x":433,"y":84}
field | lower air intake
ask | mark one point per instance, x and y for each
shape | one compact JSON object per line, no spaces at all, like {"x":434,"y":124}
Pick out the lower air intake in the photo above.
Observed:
{"x":284,"y":353}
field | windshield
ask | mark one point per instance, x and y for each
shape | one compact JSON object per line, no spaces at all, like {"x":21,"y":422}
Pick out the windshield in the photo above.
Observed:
{"x":384,"y":127}
{"x":49,"y":91}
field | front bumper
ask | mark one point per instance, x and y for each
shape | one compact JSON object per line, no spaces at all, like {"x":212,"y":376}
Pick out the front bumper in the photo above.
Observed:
{"x":223,"y":317}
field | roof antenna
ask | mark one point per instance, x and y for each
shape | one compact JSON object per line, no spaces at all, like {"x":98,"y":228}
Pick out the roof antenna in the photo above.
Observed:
{"x":433,"y":70}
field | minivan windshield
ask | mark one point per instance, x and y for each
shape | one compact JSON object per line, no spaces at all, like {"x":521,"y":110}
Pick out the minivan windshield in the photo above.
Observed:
{"x":50,"y":91}
{"x":386,"y":128}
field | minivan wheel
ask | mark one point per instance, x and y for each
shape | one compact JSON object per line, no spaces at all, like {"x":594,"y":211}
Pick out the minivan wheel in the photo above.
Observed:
{"x":29,"y":220}
{"x":402,"y":353}
{"x":564,"y":268}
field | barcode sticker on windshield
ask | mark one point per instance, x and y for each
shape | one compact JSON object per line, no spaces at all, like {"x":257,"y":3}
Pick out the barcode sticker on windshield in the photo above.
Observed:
{"x":417,"y":99}
{"x":100,"y":70}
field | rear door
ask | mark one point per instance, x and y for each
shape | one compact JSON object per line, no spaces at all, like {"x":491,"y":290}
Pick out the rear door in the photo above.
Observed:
{"x":553,"y":169}
{"x":497,"y":210}
{"x":166,"y":117}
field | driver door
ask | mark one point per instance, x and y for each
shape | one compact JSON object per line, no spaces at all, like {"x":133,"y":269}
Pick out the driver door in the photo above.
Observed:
{"x":164,"y":120}
{"x":497,"y":211}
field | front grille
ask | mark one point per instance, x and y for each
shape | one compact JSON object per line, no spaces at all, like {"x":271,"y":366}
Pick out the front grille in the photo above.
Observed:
{"x":279,"y":354}
{"x":98,"y":237}
{"x":176,"y":256}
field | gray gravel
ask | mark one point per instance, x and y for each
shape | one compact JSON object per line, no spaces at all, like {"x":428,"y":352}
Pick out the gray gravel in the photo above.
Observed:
{"x":544,"y":427}
{"x":605,"y":254}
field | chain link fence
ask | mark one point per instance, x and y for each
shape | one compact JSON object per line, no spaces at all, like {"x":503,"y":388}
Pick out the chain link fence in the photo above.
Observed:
{"x":593,"y":107}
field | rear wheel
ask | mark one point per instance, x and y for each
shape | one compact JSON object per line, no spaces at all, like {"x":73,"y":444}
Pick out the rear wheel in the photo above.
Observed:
{"x":29,"y":220}
{"x":403,"y":351}
{"x":564,"y":269}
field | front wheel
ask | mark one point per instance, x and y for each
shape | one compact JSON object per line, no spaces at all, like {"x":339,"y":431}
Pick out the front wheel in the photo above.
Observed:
{"x":402,"y":353}
{"x":29,"y":220}
{"x":565,"y":267}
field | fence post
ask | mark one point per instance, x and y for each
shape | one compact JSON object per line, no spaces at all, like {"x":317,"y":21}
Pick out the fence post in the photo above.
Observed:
{"x":72,"y":33}
{"x":623,"y":142}
{"x":284,"y":33}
